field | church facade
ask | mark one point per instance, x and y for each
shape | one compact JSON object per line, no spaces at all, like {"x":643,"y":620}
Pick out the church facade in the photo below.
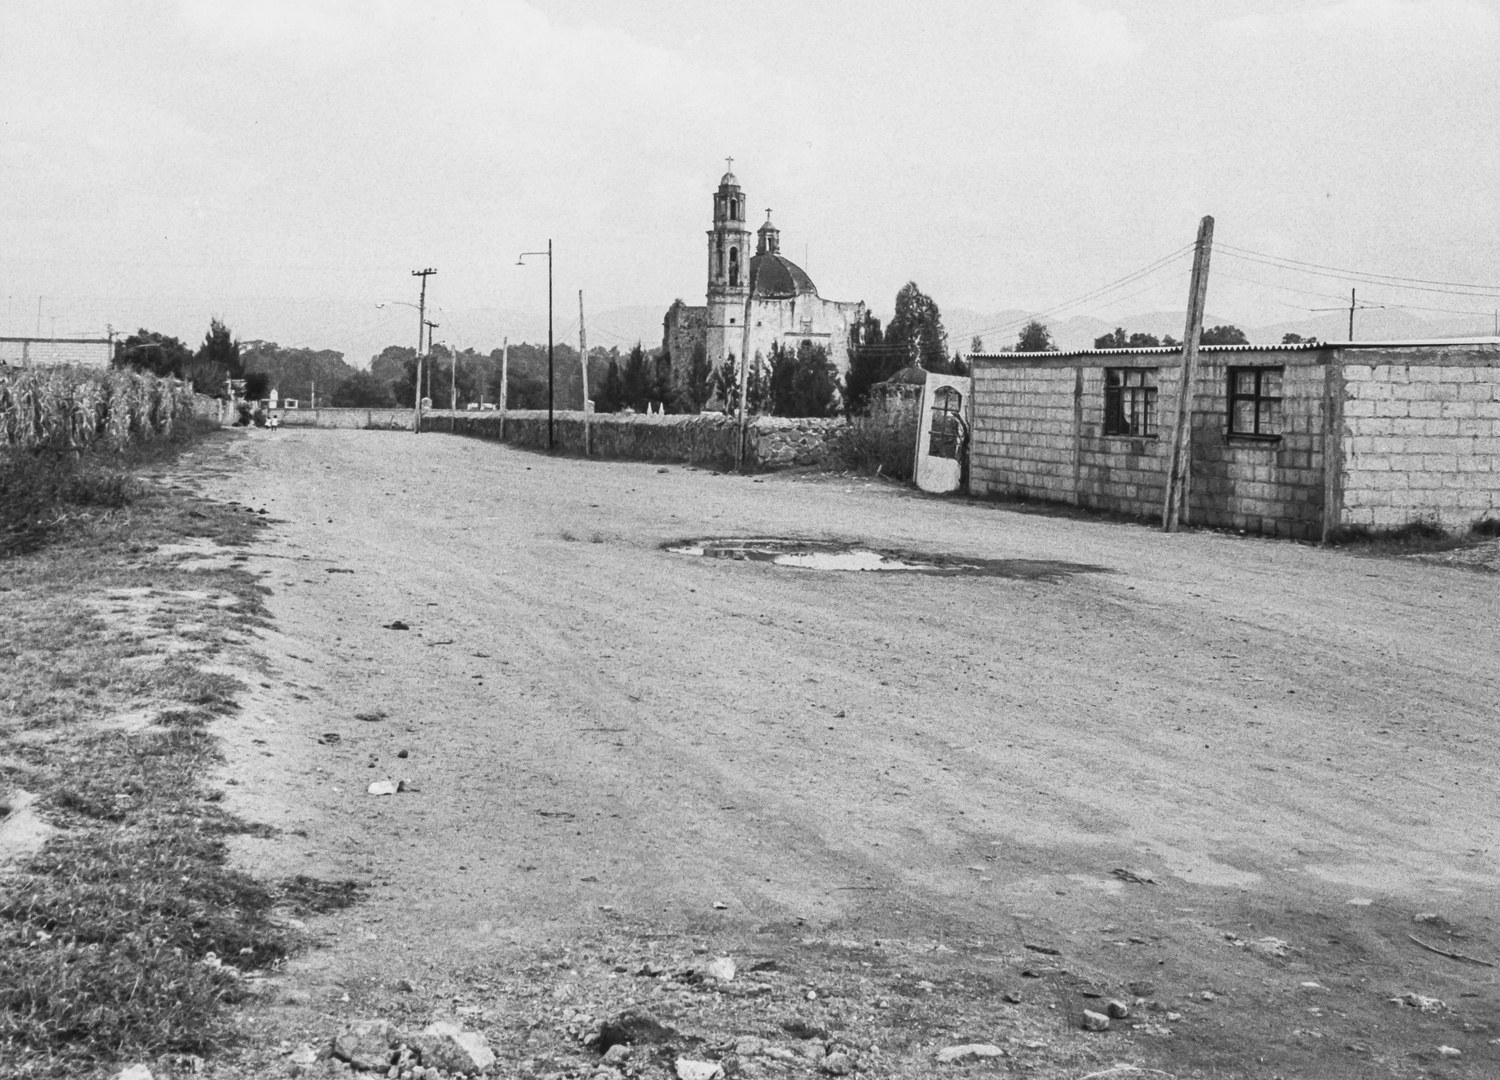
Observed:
{"x":754,"y":301}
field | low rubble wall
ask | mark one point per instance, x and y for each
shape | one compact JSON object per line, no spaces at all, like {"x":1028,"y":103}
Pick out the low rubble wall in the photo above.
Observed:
{"x":367,"y":419}
{"x":772,"y":442}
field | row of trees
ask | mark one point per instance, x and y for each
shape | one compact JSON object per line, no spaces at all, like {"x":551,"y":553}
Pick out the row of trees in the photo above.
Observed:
{"x":216,"y":361}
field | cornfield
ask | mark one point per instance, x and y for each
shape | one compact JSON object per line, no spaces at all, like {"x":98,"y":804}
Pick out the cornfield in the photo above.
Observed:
{"x":72,"y":408}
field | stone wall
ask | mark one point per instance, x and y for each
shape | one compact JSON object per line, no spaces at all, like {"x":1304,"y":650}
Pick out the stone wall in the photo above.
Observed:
{"x":706,"y":439}
{"x":1420,"y":436}
{"x":371,"y":419}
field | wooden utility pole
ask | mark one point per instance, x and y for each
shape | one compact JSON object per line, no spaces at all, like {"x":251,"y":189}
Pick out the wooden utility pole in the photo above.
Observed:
{"x":1179,"y":472}
{"x":583,"y":353}
{"x":416,"y":425}
{"x":504,"y":382}
{"x":1352,"y":305}
{"x":739,"y":446}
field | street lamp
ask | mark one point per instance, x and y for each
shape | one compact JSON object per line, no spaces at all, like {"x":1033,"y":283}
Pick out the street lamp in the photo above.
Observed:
{"x":522,"y":262}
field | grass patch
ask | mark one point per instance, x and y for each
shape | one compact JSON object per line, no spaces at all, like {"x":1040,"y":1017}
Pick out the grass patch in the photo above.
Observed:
{"x":1412,"y":538}
{"x":1485,"y":529}
{"x":126,"y":937}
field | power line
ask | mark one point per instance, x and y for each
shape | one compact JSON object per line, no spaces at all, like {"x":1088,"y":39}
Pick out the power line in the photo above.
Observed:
{"x":1364,"y":273}
{"x":1356,"y":276}
{"x":1118,"y":283}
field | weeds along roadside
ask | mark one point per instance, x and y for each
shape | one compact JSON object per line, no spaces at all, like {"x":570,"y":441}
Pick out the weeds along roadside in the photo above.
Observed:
{"x":128,"y":934}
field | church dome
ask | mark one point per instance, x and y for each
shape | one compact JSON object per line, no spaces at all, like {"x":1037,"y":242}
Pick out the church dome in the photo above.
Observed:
{"x":728,"y":180}
{"x":777,"y":277}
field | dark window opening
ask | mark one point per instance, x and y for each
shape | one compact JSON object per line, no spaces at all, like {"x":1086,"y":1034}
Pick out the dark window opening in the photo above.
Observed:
{"x":1255,"y":402}
{"x":947,"y":423}
{"x":734,"y":266}
{"x":1130,"y":402}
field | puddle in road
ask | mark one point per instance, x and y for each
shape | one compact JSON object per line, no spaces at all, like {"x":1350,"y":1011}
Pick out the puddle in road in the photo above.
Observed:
{"x":834,"y":555}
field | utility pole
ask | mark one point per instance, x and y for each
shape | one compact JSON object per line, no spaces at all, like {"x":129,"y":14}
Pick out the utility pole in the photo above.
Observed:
{"x":504,"y":382}
{"x":1179,"y":474}
{"x":416,"y":426}
{"x":583,"y":352}
{"x":550,"y":367}
{"x":550,"y":371}
{"x":1354,"y":305}
{"x":430,"y":358}
{"x":453,"y":379}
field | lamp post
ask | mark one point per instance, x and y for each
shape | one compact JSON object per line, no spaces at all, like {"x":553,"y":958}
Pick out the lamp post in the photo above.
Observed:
{"x":522,"y":262}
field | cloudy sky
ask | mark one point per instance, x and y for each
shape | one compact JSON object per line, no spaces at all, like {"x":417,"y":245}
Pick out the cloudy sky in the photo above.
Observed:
{"x":287,"y":163}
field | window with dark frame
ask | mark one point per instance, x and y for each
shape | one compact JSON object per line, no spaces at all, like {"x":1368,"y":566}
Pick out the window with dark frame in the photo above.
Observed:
{"x":1130,"y":402}
{"x":1255,"y":402}
{"x":947,"y":423}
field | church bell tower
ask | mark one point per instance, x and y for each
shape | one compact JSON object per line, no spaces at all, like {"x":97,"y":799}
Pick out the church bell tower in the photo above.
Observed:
{"x":728,"y":271}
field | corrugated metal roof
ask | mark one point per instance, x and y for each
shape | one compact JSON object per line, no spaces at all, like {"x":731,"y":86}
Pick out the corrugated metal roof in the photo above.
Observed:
{"x":1299,"y":347}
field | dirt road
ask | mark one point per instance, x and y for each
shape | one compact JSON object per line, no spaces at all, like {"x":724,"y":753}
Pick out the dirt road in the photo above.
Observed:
{"x":1217,"y":778}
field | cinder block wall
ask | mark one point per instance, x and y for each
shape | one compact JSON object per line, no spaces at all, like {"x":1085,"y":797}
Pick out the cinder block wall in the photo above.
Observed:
{"x":1023,"y":441}
{"x":1039,"y":434}
{"x":1275,"y":488}
{"x":1420,"y":437}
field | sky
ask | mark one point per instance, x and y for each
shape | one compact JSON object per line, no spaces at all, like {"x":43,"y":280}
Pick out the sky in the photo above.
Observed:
{"x":286,"y":164}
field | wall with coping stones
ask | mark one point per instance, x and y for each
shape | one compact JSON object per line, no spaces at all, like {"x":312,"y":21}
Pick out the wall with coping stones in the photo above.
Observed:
{"x":370,"y":419}
{"x":773,"y":442}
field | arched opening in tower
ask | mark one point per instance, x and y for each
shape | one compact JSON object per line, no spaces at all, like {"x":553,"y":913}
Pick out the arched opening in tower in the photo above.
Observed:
{"x":734,"y":266}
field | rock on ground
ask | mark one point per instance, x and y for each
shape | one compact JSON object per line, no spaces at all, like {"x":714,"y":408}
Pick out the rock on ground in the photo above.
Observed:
{"x":451,"y":1047}
{"x":968,"y":1051}
{"x":365,"y":1044}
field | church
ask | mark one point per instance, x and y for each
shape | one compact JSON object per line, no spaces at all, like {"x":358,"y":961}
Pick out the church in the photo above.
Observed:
{"x":753,"y":300}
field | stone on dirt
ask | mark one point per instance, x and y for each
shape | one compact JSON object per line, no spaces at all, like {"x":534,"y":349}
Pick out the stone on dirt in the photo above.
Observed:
{"x":837,"y":1064}
{"x":688,"y":1069}
{"x":1093,"y":1021}
{"x":1450,"y":1051}
{"x":721,"y":968}
{"x":616,"y":1054}
{"x":365,"y":1044}
{"x":1117,"y":1010}
{"x":968,"y":1052}
{"x":133,"y":1072}
{"x":383,"y":787}
{"x":456,"y":1049}
{"x":303,"y":1055}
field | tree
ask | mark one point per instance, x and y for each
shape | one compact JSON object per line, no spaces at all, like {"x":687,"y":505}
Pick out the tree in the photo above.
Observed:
{"x":918,"y":325}
{"x":871,"y":361}
{"x":219,"y":347}
{"x":815,"y":383}
{"x":1119,"y":340}
{"x":362,"y":390}
{"x":1223,"y":335}
{"x":976,"y":344}
{"x":296,"y":372}
{"x":695,"y":389}
{"x":148,"y":350}
{"x":1035,"y":337}
{"x":1170,"y":342}
{"x":610,"y":397}
{"x":1297,"y":339}
{"x":257,"y":385}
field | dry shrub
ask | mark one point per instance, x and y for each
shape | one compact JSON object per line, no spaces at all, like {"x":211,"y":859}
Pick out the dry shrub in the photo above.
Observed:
{"x":883,"y":441}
